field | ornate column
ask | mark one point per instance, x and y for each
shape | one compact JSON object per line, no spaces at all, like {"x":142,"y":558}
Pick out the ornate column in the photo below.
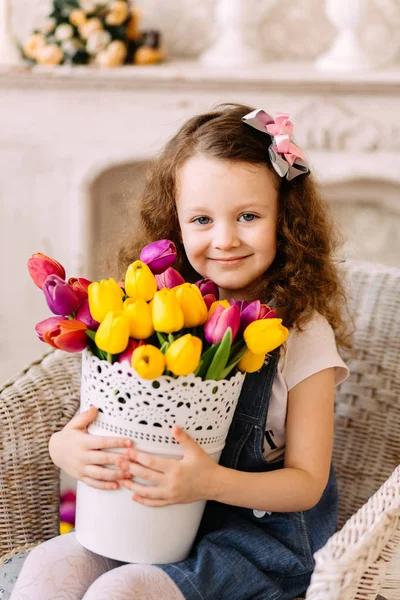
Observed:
{"x":9,"y":54}
{"x":230,"y":48}
{"x":346,"y":53}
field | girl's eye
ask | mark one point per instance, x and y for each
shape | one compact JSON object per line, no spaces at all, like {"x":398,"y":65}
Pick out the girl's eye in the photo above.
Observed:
{"x":248,"y":217}
{"x":202,"y":220}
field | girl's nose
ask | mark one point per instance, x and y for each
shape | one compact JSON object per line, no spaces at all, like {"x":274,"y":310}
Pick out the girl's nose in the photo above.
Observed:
{"x":225,"y":237}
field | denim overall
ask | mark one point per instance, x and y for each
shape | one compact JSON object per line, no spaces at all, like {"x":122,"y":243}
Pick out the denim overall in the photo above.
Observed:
{"x":243,"y":554}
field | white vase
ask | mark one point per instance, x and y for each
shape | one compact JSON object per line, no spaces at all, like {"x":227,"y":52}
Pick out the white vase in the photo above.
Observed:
{"x":230,"y":48}
{"x":346,"y":53}
{"x":110,"y":523}
{"x":9,"y":54}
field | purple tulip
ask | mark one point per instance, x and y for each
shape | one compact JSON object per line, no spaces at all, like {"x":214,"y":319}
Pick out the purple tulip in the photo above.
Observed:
{"x":83,"y":314}
{"x":169,"y":279}
{"x":206,"y":286}
{"x":248,"y":314}
{"x":220,"y":320}
{"x":159,"y":256}
{"x":253,"y":311}
{"x":61,"y":299}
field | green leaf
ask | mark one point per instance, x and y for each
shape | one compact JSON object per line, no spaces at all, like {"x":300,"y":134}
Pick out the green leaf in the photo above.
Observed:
{"x":221,"y":357}
{"x":206,"y":359}
{"x":233,"y":362}
{"x":164,"y":347}
{"x":161,"y":338}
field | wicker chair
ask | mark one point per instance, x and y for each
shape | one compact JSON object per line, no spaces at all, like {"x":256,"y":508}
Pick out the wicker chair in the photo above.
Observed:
{"x":360,"y":561}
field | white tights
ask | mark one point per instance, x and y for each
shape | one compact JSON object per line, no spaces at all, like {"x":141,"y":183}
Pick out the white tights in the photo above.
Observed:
{"x":61,"y":569}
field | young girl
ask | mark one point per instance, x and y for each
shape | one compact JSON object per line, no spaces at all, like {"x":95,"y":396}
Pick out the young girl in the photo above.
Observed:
{"x":234,"y":194}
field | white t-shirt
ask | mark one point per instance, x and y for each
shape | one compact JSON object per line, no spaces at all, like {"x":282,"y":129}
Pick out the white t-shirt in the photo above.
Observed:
{"x":304,"y":353}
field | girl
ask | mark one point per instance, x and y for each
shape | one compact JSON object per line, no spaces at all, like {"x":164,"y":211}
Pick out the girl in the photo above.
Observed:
{"x":233,"y":192}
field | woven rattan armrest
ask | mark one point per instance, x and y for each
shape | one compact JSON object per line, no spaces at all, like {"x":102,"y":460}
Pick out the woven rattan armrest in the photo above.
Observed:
{"x":33,"y":405}
{"x":356,"y":559}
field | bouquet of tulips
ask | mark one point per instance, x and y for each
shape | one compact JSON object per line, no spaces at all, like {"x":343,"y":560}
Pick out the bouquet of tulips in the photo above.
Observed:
{"x":155,"y":320}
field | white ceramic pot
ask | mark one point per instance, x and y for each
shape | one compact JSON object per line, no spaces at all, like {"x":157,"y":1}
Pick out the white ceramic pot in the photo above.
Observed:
{"x":110,"y":522}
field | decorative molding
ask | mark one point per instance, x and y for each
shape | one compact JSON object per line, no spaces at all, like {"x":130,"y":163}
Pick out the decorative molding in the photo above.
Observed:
{"x":347,"y":125}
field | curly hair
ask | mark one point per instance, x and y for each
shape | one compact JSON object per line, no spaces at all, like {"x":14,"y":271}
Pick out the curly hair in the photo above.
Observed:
{"x":303,"y":276}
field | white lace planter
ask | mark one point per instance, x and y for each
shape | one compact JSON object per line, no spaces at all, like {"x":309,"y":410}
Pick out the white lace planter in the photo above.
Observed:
{"x":110,"y":522}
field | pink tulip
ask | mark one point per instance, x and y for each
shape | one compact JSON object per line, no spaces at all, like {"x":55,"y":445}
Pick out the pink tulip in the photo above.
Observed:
{"x":159,"y":256}
{"x":46,"y":325}
{"x":64,"y":334}
{"x":127,"y":353}
{"x":169,"y":279}
{"x":41,"y":266}
{"x":220,"y":320}
{"x":206,"y":286}
{"x":83,"y":314}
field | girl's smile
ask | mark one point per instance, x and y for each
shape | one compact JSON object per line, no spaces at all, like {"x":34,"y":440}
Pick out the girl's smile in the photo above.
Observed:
{"x":227,"y":213}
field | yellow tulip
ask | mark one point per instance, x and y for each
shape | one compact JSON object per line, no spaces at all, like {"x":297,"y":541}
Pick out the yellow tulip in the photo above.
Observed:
{"x":191,"y":302}
{"x":140,"y":281}
{"x":104,"y":296}
{"x":249,"y":363}
{"x":183,"y":355}
{"x":148,"y":362}
{"x":265,"y":335}
{"x":138,"y":313}
{"x":167,"y":314}
{"x":224,"y":303}
{"x":113,"y":333}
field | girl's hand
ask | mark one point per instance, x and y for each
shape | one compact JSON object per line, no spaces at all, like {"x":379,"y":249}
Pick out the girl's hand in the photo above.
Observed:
{"x":171,"y":481}
{"x":82,"y":455}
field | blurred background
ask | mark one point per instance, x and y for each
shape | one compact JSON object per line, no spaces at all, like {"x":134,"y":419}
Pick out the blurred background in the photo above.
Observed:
{"x":87,"y":108}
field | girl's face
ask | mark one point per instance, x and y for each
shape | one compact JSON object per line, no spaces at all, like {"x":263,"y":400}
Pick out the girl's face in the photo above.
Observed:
{"x":227,"y":213}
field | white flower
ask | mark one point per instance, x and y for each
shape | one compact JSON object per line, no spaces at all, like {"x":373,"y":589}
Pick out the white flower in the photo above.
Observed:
{"x":65,"y":31}
{"x":97,"y":41}
{"x":89,"y":6}
{"x":48,"y":26}
{"x":71,"y":47}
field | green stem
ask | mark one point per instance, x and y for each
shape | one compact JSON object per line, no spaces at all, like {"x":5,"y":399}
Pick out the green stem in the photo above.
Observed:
{"x":109,"y":357}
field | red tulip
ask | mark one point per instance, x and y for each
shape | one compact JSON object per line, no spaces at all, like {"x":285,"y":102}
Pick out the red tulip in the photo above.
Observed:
{"x":220,"y":320}
{"x":79,"y":285}
{"x":41,"y":266}
{"x":64,"y":334}
{"x":209,"y":299}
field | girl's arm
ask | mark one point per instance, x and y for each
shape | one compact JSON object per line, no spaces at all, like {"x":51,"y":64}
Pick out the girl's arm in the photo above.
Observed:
{"x":298,"y":486}
{"x":309,"y":437}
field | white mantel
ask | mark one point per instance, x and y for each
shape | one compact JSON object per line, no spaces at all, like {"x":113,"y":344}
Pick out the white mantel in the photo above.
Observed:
{"x":63,"y":128}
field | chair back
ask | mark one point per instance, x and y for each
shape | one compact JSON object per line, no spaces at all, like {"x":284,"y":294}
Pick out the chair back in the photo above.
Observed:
{"x":367,"y":408}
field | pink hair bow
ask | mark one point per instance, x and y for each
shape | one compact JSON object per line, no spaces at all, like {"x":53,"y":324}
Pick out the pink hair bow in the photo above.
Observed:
{"x":287,"y":159}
